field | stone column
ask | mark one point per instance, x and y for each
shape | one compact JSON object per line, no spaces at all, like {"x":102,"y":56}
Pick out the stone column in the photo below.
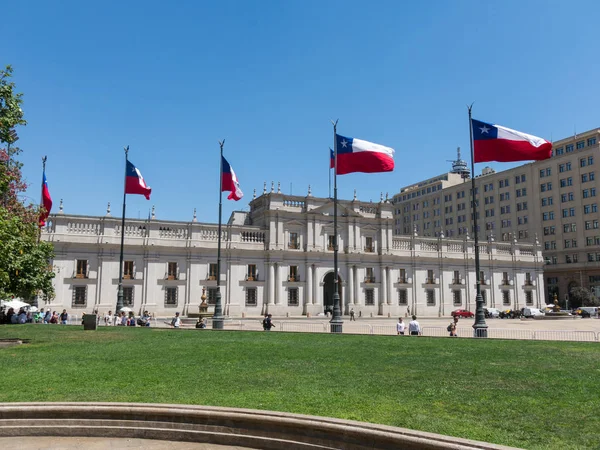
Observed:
{"x":383,"y":285}
{"x":351,"y":285}
{"x":271,"y":299}
{"x":278,"y":284}
{"x":309,"y":285}
{"x":389,"y":286}
{"x":357,"y":293}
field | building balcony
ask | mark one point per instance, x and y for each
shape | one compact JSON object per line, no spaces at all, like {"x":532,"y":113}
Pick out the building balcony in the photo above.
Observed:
{"x":369,"y":249}
{"x":249,"y":278}
{"x":369,"y":279}
{"x":293,"y":246}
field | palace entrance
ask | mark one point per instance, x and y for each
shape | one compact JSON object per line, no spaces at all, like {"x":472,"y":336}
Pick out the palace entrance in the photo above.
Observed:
{"x":328,"y":289}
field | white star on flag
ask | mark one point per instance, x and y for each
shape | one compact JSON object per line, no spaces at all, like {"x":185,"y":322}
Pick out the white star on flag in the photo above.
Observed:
{"x":484,"y":129}
{"x":344,"y":143}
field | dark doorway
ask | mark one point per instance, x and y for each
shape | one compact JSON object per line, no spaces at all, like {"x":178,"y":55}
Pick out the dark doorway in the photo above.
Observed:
{"x":328,"y":289}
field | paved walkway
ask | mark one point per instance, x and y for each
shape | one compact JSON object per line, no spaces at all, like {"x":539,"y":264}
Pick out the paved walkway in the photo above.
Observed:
{"x":91,"y":443}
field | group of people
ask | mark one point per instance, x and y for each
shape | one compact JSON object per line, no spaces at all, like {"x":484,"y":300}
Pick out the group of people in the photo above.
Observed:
{"x":26,"y":316}
{"x":414,"y":328}
{"x":127,"y":320}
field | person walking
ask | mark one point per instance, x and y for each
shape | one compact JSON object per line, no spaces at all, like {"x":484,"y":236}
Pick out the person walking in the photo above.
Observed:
{"x":64,"y":317}
{"x":269,"y":323}
{"x":452,"y":327}
{"x":400,"y":326}
{"x":176,"y":322}
{"x":414,"y":328}
{"x":352,"y":315}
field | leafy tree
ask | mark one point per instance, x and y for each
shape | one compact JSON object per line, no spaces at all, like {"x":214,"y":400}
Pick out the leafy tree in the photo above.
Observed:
{"x":583,"y":297}
{"x":24,"y":261}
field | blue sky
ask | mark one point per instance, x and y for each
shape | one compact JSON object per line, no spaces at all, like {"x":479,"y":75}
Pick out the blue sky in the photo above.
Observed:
{"x":170,"y":79}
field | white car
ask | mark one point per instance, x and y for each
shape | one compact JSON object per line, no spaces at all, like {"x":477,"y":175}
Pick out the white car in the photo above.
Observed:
{"x":532,"y":312}
{"x":492,"y":313}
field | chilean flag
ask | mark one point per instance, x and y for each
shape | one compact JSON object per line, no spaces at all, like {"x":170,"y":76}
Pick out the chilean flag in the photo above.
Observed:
{"x":356,"y":155}
{"x":229,"y":182}
{"x":497,"y":143}
{"x":134,"y":182}
{"x":46,"y":201}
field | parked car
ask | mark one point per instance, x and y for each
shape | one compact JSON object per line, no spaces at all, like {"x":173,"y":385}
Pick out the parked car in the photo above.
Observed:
{"x":586,"y":311}
{"x":462,"y":313}
{"x":531,"y":312}
{"x":491,"y":313}
{"x":510,"y":314}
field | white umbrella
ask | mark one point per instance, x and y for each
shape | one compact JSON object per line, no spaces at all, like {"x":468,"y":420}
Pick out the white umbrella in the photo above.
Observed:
{"x":126,"y":309}
{"x":16,"y":304}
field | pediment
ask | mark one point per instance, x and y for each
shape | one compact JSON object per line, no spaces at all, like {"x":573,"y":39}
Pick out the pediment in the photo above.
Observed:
{"x":294,"y":224}
{"x":369,"y":228}
{"x":327,"y":210}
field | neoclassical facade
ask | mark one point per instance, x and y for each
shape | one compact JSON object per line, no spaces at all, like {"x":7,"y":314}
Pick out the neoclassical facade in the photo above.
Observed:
{"x":278,"y":258}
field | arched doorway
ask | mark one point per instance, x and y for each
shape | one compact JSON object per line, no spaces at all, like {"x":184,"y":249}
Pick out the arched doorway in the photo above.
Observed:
{"x":328,"y":290}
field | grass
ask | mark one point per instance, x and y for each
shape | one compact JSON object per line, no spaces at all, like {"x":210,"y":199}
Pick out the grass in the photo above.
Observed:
{"x":538,"y":395}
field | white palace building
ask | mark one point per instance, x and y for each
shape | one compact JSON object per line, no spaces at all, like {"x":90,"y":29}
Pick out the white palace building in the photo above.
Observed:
{"x":278,"y":258}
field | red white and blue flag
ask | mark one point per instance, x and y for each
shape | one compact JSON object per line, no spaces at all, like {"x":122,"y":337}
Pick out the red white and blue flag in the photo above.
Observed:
{"x":46,"y":201}
{"x":501,"y":144}
{"x":229,"y":182}
{"x":134,"y":182}
{"x":356,"y":155}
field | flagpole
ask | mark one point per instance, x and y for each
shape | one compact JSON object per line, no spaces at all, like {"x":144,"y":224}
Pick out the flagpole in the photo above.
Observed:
{"x":217,"y":322}
{"x":329,"y":158}
{"x":479,"y":326}
{"x":44,"y":158}
{"x":336,"y":322}
{"x":120,"y":288}
{"x":34,"y":301}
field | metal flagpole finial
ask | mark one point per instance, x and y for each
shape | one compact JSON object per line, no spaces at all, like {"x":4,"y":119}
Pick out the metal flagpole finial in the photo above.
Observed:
{"x":44,"y":158}
{"x":470,"y":107}
{"x":126,"y":151}
{"x":221,"y":144}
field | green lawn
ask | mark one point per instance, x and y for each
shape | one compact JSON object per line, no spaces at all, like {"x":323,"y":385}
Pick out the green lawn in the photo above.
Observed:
{"x":519,"y":393}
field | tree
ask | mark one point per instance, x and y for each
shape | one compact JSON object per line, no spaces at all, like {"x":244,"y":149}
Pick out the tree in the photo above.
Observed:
{"x":25,"y":269}
{"x":583,"y":297}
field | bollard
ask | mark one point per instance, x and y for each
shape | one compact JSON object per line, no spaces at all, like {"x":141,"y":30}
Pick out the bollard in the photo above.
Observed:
{"x":307,"y":315}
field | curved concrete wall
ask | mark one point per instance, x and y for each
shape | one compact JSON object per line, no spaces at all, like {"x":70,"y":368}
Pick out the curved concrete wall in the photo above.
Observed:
{"x":223,"y":426}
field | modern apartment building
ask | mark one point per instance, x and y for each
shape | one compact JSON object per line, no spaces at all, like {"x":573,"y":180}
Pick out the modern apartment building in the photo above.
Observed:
{"x":554,"y":200}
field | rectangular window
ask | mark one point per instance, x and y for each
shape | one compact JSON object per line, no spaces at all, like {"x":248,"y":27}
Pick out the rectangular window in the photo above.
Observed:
{"x":128,"y":296}
{"x":591,"y":141}
{"x":369,"y":245}
{"x":430,"y":279}
{"x":402,"y":277}
{"x":294,"y":243}
{"x":292,"y":296}
{"x":370,"y":277}
{"x":369,"y":297}
{"x":172,"y":271}
{"x":212,"y":295}
{"x":484,"y":296}
{"x":580,"y":145}
{"x":128,"y":270}
{"x":82,"y":268}
{"x":402,"y":297}
{"x":171,"y":297}
{"x":456,"y":279}
{"x":457,"y":298}
{"x":251,"y":274}
{"x":293,"y":276}
{"x":330,"y":243}
{"x":569,"y":148}
{"x":251,"y":297}
{"x":506,"y":298}
{"x":430,"y":297}
{"x":212,"y":271}
{"x":528,"y":298}
{"x":79,"y":297}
